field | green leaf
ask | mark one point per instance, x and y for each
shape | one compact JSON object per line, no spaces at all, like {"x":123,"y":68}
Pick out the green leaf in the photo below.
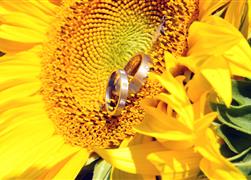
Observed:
{"x":243,"y":162}
{"x":237,"y":117}
{"x":235,"y":157}
{"x":249,"y":42}
{"x":87,"y":171}
{"x":235,"y":128}
{"x":102,"y":170}
{"x":241,"y":92}
{"x":237,"y":141}
{"x":226,"y":151}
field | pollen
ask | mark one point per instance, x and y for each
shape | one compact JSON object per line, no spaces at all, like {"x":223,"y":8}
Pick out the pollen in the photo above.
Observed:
{"x":90,"y":40}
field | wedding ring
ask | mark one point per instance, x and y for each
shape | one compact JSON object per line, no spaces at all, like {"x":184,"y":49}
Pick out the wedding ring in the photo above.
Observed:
{"x":124,"y":82}
{"x":116,"y":92}
{"x":137,"y":69}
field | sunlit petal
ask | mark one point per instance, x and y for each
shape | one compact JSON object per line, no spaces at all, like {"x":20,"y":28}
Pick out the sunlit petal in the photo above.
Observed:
{"x":132,"y":159}
{"x":176,"y":164}
{"x":208,"y":7}
{"x":213,"y":164}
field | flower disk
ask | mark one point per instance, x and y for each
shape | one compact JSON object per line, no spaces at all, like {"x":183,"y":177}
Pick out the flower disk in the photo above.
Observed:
{"x":93,"y":39}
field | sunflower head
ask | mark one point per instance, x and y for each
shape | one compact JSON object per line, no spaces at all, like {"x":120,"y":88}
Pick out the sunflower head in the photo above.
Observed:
{"x":94,"y":38}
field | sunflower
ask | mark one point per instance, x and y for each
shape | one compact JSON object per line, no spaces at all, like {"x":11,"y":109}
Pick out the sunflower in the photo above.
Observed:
{"x":184,"y":143}
{"x":180,"y":129}
{"x":58,"y":57}
{"x":215,"y":66}
{"x":228,"y":9}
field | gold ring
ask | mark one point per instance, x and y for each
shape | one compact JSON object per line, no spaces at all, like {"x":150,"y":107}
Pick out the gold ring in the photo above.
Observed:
{"x":116,"y":92}
{"x":137,"y":69}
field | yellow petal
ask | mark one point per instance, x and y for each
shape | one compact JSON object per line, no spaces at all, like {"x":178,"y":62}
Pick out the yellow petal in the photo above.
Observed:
{"x":201,"y":34}
{"x":170,"y":61}
{"x":132,"y":159}
{"x":71,"y":169}
{"x":31,"y":56}
{"x":3,"y":10}
{"x":39,"y":9}
{"x":56,"y":2}
{"x":139,"y":139}
{"x":20,"y":67}
{"x":210,"y":61}
{"x":213,"y":164}
{"x":176,"y":145}
{"x":162,"y":106}
{"x":189,"y":62}
{"x":18,"y":89}
{"x":18,"y":71}
{"x":13,"y":19}
{"x":199,"y":106}
{"x":244,"y":27}
{"x":117,"y":174}
{"x":126,"y":141}
{"x":164,"y":135}
{"x":18,"y":143}
{"x":29,"y":147}
{"x":47,"y":7}
{"x":16,"y":35}
{"x":204,"y":122}
{"x":52,"y":171}
{"x":210,"y":150}
{"x":16,"y":116}
{"x":12,"y":47}
{"x":176,"y":164}
{"x":239,"y":59}
{"x":215,"y":171}
{"x":216,"y":71}
{"x":249,"y":19}
{"x":4,"y":108}
{"x":21,"y":34}
{"x":197,"y":87}
{"x":216,"y":60}
{"x":182,"y":108}
{"x":36,"y":160}
{"x":170,"y":84}
{"x":156,"y":124}
{"x":207,"y":7}
{"x":235,"y":7}
{"x":177,"y":99}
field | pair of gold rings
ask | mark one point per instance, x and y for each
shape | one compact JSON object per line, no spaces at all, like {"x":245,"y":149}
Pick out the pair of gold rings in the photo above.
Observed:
{"x":123,"y":83}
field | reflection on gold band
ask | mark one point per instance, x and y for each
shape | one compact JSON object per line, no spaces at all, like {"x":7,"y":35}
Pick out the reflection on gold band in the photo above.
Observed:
{"x":127,"y":81}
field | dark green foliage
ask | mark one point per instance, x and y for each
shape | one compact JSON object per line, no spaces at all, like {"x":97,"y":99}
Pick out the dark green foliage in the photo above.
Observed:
{"x":235,"y":126}
{"x":249,"y":41}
